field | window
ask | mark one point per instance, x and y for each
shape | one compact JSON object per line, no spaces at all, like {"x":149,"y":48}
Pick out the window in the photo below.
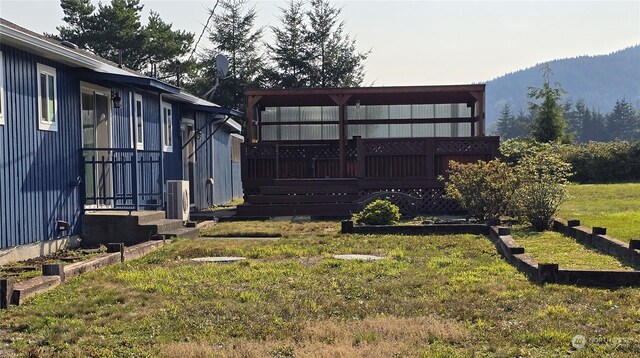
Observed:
{"x":138,"y":122}
{"x":47,"y":105}
{"x":167,"y":132}
{"x":235,"y":149}
{"x":1,"y":89}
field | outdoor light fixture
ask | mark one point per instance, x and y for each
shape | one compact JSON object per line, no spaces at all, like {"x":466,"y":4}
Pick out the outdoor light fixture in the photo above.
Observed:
{"x":198,"y":134}
{"x":115,"y":97}
{"x":358,"y":104}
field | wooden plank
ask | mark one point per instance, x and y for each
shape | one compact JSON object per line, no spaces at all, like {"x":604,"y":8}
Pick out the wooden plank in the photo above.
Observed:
{"x":282,"y":190}
{"x":297,"y":209}
{"x":291,"y":199}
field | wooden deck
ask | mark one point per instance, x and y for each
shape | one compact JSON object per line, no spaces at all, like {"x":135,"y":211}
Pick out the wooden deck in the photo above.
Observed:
{"x":303,"y":178}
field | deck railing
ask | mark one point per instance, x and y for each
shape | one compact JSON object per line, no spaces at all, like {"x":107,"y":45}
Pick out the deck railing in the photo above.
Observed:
{"x":365,"y":158}
{"x":117,"y":179}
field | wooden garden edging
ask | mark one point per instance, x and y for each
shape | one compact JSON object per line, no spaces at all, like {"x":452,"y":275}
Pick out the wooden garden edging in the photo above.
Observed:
{"x":598,"y":238}
{"x":551,"y":273}
{"x":54,"y":274}
{"x":516,"y":255}
{"x":441,"y":229}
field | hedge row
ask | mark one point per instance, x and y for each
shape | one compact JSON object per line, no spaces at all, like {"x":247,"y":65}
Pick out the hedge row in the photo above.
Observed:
{"x":598,"y":162}
{"x":594,"y":162}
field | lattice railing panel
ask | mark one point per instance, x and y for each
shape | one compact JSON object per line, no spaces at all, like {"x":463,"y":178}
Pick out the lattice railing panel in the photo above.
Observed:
{"x":415,"y":201}
{"x":464,"y":146}
{"x":394,"y":147}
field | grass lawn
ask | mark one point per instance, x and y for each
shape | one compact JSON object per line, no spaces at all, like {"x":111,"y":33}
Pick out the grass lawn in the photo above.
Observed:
{"x":614,"y":206}
{"x":431,"y":296}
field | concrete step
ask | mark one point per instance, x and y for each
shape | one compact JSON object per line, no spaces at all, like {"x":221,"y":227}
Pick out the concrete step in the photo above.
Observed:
{"x":187,"y":232}
{"x":163,"y":225}
{"x":145,"y":217}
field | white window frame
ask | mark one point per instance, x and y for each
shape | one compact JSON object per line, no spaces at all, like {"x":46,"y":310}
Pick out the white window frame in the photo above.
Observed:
{"x":45,"y":123}
{"x":2,"y":101}
{"x":135,"y":115}
{"x":167,"y":127}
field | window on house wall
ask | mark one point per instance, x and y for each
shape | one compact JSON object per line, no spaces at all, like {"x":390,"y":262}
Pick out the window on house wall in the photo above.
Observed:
{"x":235,"y":149}
{"x":47,"y":104}
{"x":1,"y":89}
{"x":139,"y":122}
{"x":167,"y":126}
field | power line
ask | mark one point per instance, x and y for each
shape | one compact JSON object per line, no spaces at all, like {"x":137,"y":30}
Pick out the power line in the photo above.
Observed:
{"x":204,"y":29}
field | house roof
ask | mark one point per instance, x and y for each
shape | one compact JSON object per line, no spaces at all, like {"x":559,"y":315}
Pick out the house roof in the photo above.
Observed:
{"x":100,"y":68}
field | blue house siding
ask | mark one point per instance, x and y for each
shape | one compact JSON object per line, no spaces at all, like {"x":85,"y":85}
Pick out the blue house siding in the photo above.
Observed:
{"x":37,"y":166}
{"x":213,"y":160}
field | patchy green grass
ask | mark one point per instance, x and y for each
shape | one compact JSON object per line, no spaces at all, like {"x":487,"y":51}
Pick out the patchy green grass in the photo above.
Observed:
{"x":288,"y":229}
{"x":553,"y":247}
{"x":614,"y":206}
{"x":431,"y":296}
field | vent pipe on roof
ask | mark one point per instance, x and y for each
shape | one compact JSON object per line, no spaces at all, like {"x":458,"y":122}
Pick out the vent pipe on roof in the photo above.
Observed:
{"x":69,"y":44}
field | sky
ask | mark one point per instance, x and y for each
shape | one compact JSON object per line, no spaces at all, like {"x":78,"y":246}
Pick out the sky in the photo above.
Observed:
{"x":424,"y":42}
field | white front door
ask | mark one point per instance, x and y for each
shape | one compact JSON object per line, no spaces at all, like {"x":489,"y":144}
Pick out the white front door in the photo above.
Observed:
{"x":96,"y":134}
{"x":189,"y":155}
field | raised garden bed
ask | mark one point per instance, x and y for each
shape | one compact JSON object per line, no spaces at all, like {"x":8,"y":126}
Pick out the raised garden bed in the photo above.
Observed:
{"x":27,"y":269}
{"x":586,"y":267}
{"x":54,"y":272}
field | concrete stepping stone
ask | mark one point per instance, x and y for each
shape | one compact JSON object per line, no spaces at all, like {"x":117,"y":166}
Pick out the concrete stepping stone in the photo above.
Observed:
{"x":219,"y":259}
{"x":358,"y":257}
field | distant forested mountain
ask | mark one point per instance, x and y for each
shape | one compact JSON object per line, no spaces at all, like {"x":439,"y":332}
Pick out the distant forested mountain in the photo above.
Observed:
{"x":598,"y":80}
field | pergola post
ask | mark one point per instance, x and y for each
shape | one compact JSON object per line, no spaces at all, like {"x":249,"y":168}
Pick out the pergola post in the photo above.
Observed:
{"x":251,"y":111}
{"x":341,"y":100}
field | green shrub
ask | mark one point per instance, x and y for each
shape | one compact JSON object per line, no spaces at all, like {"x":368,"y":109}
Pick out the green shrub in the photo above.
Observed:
{"x":609,"y":162}
{"x":379,"y":212}
{"x":541,"y":187}
{"x":482,"y":188}
{"x":594,"y":162}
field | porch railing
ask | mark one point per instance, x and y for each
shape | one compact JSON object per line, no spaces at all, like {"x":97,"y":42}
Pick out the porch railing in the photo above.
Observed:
{"x":117,"y":179}
{"x":365,"y":158}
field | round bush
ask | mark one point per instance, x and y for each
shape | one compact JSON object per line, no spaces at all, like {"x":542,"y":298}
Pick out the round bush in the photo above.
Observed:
{"x":379,"y":212}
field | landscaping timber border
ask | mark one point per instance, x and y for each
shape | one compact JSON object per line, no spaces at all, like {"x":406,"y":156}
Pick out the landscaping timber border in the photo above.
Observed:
{"x":441,"y":229}
{"x":515,"y":254}
{"x":597,"y":237}
{"x":550,"y":272}
{"x":54,"y":274}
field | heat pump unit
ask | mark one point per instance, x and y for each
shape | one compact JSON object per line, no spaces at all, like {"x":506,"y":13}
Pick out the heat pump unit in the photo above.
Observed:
{"x":178,"y":199}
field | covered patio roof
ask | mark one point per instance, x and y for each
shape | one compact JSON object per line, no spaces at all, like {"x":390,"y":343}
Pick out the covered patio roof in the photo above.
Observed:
{"x":367,"y":95}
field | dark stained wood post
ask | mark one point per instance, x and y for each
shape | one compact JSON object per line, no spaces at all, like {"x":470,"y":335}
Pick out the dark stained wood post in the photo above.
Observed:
{"x":360,"y":164}
{"x":341,"y":100}
{"x":479,"y":96}
{"x":473,"y":119}
{"x":251,"y":112}
{"x":6,"y":291}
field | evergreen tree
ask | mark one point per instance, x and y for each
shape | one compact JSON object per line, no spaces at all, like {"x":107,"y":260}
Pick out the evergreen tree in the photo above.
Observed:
{"x":549,"y":125}
{"x":335,"y":62}
{"x":594,"y":128}
{"x":116,"y":27}
{"x":290,"y":53}
{"x":233,"y":35}
{"x":506,"y":122}
{"x":622,"y":122}
{"x":522,"y":126}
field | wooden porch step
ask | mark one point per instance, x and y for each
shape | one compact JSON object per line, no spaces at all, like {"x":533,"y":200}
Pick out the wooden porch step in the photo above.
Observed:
{"x":320,"y":209}
{"x":303,"y":199}
{"x":316,"y":182}
{"x":313,"y":188}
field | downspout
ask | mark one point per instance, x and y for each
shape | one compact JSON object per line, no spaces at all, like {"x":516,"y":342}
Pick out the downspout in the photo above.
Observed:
{"x":134,"y":170}
{"x":162,"y":190}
